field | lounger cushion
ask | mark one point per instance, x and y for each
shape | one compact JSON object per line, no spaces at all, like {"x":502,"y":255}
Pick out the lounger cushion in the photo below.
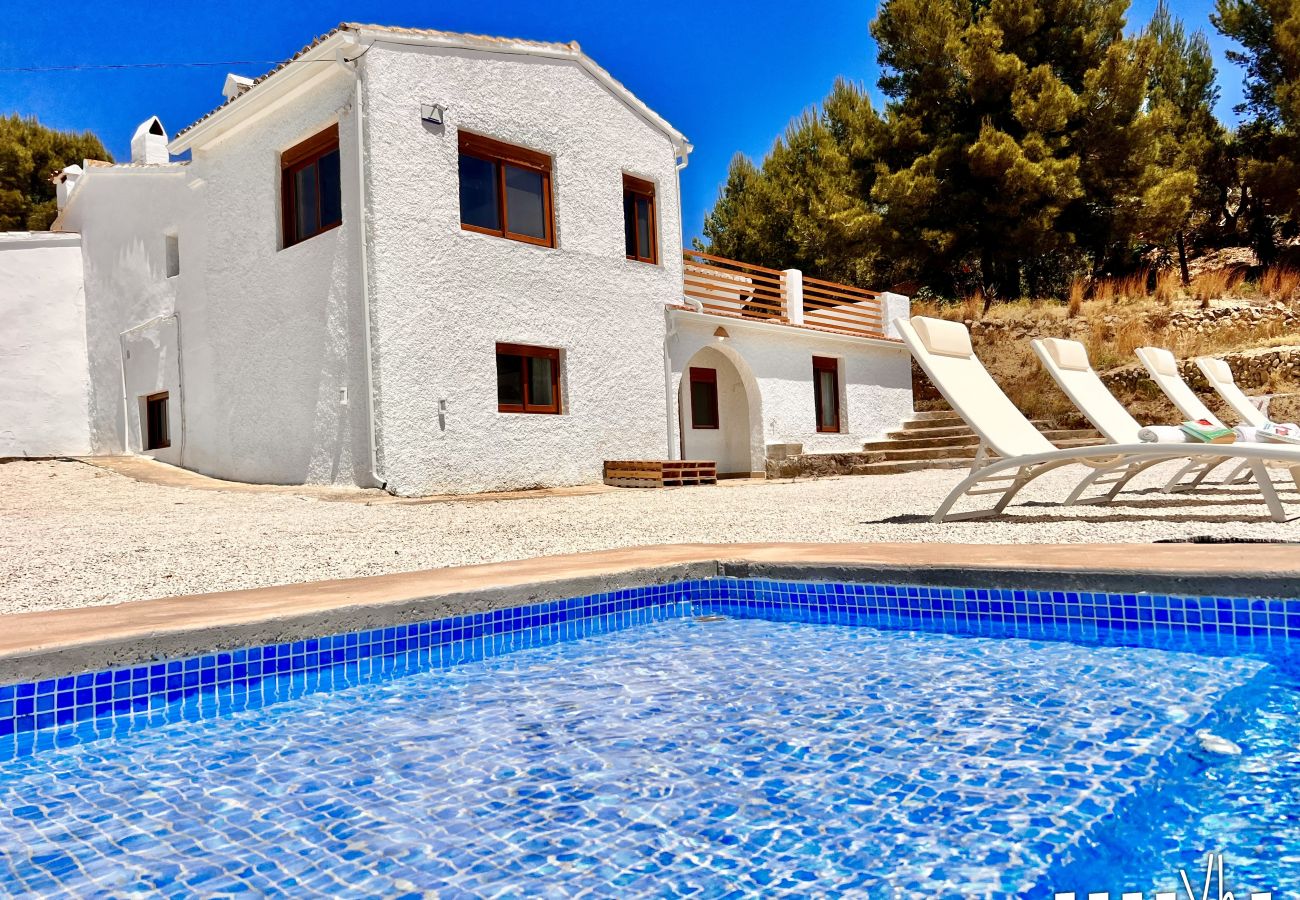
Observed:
{"x":1069,"y":355}
{"x":1162,"y":360}
{"x":1217,"y":369}
{"x":943,"y":338}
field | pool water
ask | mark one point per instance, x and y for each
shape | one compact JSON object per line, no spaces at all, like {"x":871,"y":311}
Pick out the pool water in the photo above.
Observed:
{"x":706,"y":757}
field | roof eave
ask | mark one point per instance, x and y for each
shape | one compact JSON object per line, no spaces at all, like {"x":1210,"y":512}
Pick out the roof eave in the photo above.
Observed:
{"x":262,"y":96}
{"x":301,"y":70}
{"x":569,"y":52}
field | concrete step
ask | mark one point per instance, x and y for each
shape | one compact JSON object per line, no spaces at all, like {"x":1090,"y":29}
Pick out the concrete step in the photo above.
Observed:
{"x":941,"y":453}
{"x":948,"y":420}
{"x":934,"y":414}
{"x":970,"y":439}
{"x":927,"y":419}
{"x":908,"y":431}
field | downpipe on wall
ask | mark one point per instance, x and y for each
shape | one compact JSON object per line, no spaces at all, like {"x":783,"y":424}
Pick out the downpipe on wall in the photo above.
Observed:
{"x":670,"y":329}
{"x":354,"y":66}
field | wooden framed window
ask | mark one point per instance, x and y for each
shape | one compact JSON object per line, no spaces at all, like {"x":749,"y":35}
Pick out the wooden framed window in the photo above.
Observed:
{"x":506,"y":191}
{"x":704,"y":398}
{"x":311,"y":189}
{"x":826,"y":393}
{"x":528,"y":379}
{"x":639,"y":226}
{"x":157,"y":430}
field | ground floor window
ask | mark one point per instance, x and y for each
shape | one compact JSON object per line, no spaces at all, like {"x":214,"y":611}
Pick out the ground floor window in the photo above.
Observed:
{"x":528,"y":379}
{"x":157,"y":430}
{"x":826,"y":393}
{"x":704,"y":397}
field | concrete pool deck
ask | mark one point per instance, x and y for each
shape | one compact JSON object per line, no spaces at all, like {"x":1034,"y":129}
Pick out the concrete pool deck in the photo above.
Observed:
{"x":60,"y":642}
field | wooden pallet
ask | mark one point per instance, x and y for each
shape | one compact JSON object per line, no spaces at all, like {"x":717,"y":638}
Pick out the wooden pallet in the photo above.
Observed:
{"x":652,"y":473}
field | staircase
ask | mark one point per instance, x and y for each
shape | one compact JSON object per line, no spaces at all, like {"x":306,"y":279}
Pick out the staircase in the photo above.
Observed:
{"x":929,"y":440}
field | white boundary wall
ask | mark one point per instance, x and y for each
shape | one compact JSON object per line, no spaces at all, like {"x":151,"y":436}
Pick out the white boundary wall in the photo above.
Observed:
{"x":43,"y":372}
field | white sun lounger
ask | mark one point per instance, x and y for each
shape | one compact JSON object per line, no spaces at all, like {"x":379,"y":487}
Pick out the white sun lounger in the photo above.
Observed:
{"x":943,"y":351}
{"x":1219,"y":374}
{"x":1067,"y":362}
{"x":1162,"y":366}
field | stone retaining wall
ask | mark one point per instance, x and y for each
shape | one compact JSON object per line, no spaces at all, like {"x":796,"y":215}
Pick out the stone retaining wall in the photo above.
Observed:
{"x":1252,"y":370}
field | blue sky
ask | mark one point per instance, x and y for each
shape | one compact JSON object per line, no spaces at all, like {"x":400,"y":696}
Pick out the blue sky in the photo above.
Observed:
{"x":728,"y":75}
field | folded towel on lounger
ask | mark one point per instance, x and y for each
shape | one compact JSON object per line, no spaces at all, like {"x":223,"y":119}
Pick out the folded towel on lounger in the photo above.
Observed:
{"x":1165,"y":434}
{"x":1272,"y":433}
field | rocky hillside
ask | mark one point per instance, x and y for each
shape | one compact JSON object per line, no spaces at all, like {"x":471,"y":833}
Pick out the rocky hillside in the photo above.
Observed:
{"x":1259,"y":337}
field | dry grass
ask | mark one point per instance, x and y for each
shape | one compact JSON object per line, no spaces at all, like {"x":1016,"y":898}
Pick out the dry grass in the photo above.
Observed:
{"x":1112,"y":329}
{"x":1214,"y":284}
{"x":1280,"y":283}
{"x":1168,"y":286}
{"x":1074,"y":306}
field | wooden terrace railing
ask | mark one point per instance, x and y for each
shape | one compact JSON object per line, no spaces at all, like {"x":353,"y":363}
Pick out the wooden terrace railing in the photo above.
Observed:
{"x":842,"y":307}
{"x":731,"y":288}
{"x":734,"y":288}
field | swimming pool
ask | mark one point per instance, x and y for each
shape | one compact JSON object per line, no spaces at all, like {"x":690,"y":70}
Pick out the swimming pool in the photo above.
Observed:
{"x":708,"y":738}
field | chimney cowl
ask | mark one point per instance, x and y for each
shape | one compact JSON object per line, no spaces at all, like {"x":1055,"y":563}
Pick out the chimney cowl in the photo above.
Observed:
{"x":149,"y":143}
{"x":64,"y":182}
{"x":235,"y":85}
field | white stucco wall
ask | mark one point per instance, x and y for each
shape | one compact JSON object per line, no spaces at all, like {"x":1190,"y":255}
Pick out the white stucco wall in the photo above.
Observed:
{"x":122,"y":215}
{"x":44,"y":383}
{"x":259,"y":341}
{"x":875,"y":380}
{"x":271,"y":337}
{"x":731,"y":444}
{"x":151,"y":364}
{"x":443,"y":297}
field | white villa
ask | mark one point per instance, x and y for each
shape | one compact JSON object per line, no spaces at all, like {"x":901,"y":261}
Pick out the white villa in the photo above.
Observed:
{"x":428,"y":262}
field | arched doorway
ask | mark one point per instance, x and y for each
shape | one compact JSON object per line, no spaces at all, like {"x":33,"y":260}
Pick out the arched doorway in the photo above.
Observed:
{"x":720,"y":413}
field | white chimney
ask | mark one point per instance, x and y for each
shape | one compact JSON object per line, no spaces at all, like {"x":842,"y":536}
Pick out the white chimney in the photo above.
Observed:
{"x":235,"y":85}
{"x":64,"y":182}
{"x":149,"y":143}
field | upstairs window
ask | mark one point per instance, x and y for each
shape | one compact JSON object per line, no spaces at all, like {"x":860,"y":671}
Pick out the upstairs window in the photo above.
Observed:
{"x":826,"y":393}
{"x":311,"y":191}
{"x":528,"y":379}
{"x":506,"y":191}
{"x":639,"y":220}
{"x":704,"y":398}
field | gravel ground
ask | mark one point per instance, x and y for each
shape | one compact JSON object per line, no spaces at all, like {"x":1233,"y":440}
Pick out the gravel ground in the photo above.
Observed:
{"x":76,"y":535}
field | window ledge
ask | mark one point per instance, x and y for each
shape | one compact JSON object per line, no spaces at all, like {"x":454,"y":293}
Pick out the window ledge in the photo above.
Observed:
{"x":500,"y":239}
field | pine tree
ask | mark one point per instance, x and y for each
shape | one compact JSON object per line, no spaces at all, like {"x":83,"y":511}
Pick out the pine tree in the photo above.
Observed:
{"x":1269,"y":143}
{"x":805,"y":207}
{"x":1183,"y":78}
{"x":30,"y":154}
{"x":1021,"y":134}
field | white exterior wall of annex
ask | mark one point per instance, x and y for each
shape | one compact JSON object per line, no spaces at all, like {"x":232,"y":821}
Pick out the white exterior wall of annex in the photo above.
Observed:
{"x":123,"y":215}
{"x":273,"y":335}
{"x":443,"y":297}
{"x":44,"y":384}
{"x":875,"y":380}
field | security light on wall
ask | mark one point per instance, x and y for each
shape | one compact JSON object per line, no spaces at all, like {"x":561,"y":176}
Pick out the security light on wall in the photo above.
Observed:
{"x":433,"y":113}
{"x":721,"y":334}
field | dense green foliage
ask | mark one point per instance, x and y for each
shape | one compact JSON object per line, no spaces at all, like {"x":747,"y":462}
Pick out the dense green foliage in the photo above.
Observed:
{"x":1024,"y":143}
{"x":30,"y":154}
{"x":1264,"y":170}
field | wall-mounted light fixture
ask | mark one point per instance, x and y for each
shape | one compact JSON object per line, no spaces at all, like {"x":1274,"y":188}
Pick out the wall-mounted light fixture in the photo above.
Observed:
{"x":433,"y":113}
{"x":721,"y":334}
